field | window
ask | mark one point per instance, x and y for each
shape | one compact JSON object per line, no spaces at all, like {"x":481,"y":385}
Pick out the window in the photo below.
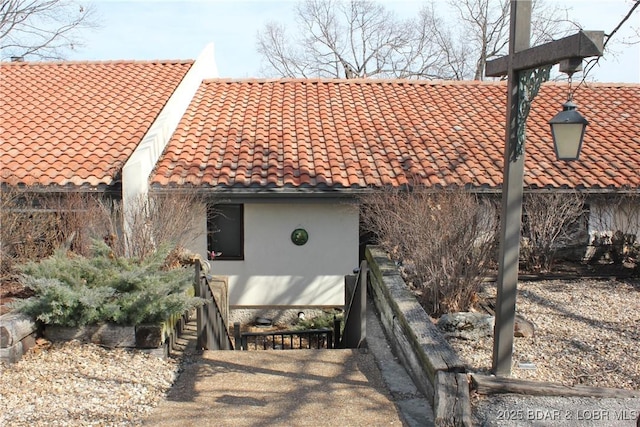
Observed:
{"x":225,"y":231}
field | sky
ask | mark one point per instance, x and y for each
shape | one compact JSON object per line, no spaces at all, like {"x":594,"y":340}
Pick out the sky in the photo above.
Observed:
{"x":155,"y":29}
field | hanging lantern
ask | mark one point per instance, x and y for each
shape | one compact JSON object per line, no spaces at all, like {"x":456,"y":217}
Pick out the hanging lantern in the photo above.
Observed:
{"x":567,"y":129}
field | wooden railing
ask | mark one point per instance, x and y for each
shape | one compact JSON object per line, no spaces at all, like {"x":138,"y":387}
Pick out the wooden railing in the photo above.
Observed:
{"x":213,"y":333}
{"x":355,"y":319}
{"x":212,"y":330}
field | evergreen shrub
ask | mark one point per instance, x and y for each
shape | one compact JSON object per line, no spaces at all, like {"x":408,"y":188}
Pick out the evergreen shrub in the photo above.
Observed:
{"x":324,"y":321}
{"x":72,"y":290}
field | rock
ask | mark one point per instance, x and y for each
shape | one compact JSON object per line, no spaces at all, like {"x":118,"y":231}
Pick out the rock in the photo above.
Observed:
{"x":471,"y":326}
{"x":523,"y":328}
{"x":466,"y":325}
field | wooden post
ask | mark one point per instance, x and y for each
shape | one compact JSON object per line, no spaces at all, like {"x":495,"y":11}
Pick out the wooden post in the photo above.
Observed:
{"x":237,"y":336}
{"x":209,"y":322}
{"x":521,"y":58}
{"x":511,"y":201}
{"x":336,"y":332}
{"x":362,"y":308}
{"x":355,"y":328}
{"x":200,"y":312}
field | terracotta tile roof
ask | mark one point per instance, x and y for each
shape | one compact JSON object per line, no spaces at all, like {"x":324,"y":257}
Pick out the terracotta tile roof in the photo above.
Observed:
{"x":354,"y":134}
{"x":76,"y":123}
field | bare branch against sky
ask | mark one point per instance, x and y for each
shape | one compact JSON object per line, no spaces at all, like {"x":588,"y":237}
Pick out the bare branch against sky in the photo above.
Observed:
{"x":608,"y":36}
{"x":42,"y":29}
{"x":361,"y":38}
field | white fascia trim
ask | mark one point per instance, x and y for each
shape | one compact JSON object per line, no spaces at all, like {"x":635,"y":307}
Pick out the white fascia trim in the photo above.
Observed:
{"x":136,"y":171}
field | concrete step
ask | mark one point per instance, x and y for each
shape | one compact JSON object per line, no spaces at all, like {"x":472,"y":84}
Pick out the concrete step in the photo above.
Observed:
{"x":414,"y":408}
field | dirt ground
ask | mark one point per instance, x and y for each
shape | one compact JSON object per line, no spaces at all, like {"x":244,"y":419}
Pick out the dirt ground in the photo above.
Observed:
{"x":10,"y":289}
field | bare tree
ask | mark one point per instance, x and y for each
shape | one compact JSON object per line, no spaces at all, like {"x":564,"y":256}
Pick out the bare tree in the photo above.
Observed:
{"x":360,"y":38}
{"x":445,"y":241}
{"x":42,"y":29}
{"x":483,"y":33}
{"x":153,"y":221}
{"x":350,"y":39}
{"x":634,"y":39}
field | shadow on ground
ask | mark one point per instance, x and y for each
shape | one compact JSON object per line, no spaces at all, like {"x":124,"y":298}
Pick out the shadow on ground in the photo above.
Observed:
{"x":278,"y":388}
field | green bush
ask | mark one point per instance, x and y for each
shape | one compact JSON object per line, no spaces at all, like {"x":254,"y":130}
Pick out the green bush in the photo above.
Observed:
{"x":324,"y":321}
{"x":72,"y":290}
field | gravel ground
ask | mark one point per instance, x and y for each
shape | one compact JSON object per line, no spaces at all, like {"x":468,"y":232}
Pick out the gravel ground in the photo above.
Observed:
{"x":586,"y":332}
{"x":75,"y":384}
{"x":511,"y":410}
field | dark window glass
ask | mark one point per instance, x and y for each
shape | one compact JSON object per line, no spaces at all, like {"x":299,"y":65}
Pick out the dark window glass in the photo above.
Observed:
{"x":225,"y":231}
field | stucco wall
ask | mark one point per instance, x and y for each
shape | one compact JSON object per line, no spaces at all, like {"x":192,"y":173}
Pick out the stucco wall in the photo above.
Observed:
{"x":607,"y":217}
{"x":135,"y":172}
{"x":275,"y":272}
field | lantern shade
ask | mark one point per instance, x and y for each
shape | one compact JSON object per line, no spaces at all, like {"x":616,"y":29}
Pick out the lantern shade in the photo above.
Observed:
{"x":567,"y":129}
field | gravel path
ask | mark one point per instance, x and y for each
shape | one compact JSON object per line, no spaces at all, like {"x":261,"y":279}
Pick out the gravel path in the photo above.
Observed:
{"x":279,"y":388}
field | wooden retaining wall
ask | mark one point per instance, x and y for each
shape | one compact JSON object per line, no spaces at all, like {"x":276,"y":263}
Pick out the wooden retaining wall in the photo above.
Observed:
{"x":155,"y":339}
{"x":17,"y":336}
{"x":432,"y":363}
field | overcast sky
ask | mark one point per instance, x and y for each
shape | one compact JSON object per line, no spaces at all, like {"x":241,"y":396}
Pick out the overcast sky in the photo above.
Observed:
{"x":155,"y":29}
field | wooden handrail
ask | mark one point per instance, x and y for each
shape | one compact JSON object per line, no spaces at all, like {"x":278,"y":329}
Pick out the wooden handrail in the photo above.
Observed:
{"x":212,"y":330}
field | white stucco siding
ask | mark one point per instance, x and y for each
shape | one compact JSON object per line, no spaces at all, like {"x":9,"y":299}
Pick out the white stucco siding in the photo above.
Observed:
{"x":136,"y":171}
{"x":607,"y":218}
{"x":276,"y":272}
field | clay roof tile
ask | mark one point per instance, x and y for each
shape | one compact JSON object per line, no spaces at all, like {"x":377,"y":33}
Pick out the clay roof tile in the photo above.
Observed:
{"x":61,"y":113}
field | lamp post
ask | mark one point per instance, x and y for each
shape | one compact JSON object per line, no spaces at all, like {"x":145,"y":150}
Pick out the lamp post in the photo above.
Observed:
{"x":526,"y":69}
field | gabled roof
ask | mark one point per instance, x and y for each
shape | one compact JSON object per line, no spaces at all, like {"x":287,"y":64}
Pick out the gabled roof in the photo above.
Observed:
{"x":74,"y":124}
{"x":338,"y":134}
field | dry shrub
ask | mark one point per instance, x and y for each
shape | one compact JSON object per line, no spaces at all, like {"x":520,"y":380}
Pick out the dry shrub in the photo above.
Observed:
{"x":33,"y":224}
{"x":551,"y":223}
{"x":445,"y":240}
{"x":24,"y":232}
{"x":158,"y":220}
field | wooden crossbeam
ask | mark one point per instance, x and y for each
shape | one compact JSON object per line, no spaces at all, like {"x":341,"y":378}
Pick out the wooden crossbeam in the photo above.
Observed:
{"x":580,"y":45}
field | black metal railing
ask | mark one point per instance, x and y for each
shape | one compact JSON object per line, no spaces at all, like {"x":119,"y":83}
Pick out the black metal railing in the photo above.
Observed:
{"x":284,"y":340}
{"x":213,"y":333}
